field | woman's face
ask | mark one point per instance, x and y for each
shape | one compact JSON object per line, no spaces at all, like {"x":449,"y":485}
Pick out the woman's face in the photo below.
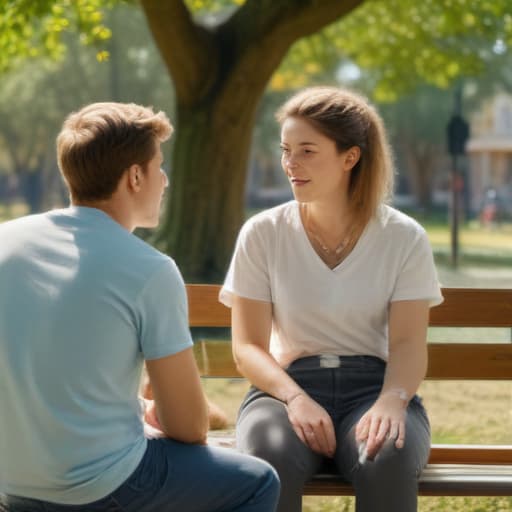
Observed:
{"x":312,"y":163}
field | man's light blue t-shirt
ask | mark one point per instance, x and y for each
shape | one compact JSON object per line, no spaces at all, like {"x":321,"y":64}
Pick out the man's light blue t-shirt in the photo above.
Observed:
{"x":82,"y":303}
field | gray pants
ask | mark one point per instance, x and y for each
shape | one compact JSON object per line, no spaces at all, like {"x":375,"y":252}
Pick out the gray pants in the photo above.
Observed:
{"x":387,"y":484}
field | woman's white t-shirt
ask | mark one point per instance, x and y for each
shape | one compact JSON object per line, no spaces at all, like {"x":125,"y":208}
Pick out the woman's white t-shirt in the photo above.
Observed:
{"x":318,"y":310}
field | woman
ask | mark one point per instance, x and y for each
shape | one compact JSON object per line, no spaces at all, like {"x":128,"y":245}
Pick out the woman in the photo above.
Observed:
{"x":330,"y":296}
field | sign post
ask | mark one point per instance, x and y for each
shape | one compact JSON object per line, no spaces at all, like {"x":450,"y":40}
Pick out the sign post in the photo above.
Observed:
{"x":458,"y":134}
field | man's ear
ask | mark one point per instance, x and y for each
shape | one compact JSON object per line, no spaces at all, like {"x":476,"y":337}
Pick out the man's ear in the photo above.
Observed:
{"x":352,"y":156}
{"x":134,"y":174}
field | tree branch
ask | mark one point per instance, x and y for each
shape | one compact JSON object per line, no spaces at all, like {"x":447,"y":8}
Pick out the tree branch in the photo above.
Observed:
{"x":272,"y":27}
{"x":291,"y":19}
{"x":254,"y":40}
{"x":188,"y":50}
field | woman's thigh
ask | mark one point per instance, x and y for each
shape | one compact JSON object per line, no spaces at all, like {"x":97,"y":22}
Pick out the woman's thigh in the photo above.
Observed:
{"x":264,"y":430}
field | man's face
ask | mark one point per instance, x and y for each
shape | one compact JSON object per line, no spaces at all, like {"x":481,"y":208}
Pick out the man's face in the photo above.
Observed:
{"x":153,"y":184}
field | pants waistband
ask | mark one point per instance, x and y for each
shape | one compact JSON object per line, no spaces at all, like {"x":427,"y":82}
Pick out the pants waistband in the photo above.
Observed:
{"x":335,"y":361}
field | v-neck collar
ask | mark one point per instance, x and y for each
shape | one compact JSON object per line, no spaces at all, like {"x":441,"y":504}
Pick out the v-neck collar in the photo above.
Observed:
{"x":309,"y":247}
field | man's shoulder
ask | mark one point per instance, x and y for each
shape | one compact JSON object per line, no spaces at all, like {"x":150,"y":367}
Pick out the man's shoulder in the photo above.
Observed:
{"x":25,"y":220}
{"x":23,"y":228}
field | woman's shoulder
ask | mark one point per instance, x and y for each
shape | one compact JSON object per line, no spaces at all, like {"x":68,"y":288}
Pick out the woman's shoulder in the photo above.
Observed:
{"x":272,"y":218}
{"x":392,"y":220}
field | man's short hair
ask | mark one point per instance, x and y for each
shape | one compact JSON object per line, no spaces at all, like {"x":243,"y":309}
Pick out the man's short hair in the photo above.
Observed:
{"x":101,"y":141}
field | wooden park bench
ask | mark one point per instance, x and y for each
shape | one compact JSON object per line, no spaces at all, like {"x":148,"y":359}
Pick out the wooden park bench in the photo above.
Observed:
{"x":453,"y":470}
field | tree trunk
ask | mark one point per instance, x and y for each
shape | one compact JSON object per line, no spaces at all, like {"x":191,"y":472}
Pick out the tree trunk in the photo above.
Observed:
{"x":208,"y":172}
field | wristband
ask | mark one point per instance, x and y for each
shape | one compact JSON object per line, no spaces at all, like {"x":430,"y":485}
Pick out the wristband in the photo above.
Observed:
{"x":400,"y":392}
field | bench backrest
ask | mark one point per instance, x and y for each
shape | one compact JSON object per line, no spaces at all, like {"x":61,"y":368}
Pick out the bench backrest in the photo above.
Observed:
{"x":462,"y":307}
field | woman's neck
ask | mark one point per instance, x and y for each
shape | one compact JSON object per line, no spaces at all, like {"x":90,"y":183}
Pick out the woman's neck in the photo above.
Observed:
{"x":328,"y":219}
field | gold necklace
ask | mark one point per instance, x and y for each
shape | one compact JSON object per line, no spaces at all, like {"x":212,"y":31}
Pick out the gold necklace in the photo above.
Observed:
{"x":337,"y":251}
{"x":335,"y":254}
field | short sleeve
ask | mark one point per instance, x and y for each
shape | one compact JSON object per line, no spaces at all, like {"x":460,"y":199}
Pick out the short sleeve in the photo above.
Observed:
{"x":248,"y":274}
{"x":417,"y":278}
{"x":163,"y":314}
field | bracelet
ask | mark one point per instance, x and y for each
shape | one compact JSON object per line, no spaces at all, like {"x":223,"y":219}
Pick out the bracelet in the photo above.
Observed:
{"x":288,"y":401}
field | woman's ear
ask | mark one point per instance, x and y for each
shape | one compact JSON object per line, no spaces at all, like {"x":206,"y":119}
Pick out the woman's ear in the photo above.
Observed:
{"x":352,"y":156}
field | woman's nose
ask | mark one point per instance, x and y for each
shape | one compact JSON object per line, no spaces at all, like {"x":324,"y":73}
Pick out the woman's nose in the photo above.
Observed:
{"x":290,"y":161}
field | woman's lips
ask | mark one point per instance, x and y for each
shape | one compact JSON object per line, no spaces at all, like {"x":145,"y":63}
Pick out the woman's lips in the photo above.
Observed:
{"x":299,"y":182}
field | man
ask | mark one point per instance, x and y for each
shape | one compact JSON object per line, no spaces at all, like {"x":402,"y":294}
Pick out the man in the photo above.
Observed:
{"x":83,"y":303}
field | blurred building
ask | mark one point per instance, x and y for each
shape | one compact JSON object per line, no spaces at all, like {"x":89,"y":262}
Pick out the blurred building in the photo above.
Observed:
{"x":490,"y":157}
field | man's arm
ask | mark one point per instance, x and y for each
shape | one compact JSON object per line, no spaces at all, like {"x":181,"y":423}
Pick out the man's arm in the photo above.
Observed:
{"x":180,"y":403}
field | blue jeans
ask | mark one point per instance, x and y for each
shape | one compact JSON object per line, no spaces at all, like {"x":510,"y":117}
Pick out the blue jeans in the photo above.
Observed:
{"x":389,"y":483}
{"x":179,"y":477}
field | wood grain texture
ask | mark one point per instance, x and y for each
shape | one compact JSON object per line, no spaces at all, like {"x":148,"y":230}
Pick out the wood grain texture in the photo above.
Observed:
{"x":462,"y":307}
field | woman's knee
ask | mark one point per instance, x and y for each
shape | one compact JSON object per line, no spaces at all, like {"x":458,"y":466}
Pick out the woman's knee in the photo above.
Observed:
{"x":268,"y":440}
{"x":267,"y":434}
{"x":392,"y":465}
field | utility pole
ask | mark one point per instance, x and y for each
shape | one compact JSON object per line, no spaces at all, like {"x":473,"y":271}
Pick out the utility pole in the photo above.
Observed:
{"x":458,"y":134}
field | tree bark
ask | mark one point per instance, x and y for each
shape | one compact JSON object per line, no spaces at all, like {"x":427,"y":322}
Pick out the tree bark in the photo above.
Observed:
{"x":206,"y":206}
{"x":219,"y":74}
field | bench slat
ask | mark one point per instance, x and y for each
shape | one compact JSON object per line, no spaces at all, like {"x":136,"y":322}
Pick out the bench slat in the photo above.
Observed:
{"x":462,"y":307}
{"x":447,"y":361}
{"x":471,"y":307}
{"x":204,"y":308}
{"x":471,"y":361}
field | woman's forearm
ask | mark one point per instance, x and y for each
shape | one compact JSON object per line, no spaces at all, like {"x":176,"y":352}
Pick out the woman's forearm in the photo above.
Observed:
{"x":263,"y":371}
{"x":406,"y":367}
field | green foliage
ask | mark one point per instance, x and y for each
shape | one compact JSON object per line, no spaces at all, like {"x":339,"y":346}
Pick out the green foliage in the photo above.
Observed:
{"x":34,"y":29}
{"x":405,"y":43}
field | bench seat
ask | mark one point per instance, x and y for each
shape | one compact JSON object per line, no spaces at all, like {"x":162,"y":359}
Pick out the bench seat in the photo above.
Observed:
{"x":453,"y":470}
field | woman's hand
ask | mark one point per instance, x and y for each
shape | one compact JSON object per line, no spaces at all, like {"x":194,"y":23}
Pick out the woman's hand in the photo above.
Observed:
{"x":150,"y":416}
{"x":384,"y":420}
{"x":312,"y":424}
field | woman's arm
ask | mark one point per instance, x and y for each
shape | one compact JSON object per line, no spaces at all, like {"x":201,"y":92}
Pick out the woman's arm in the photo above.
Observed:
{"x":406,"y":368}
{"x":181,"y":407}
{"x":251,"y":323}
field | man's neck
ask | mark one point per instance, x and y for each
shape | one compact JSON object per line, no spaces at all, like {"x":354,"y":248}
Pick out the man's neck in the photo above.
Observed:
{"x":113,"y":209}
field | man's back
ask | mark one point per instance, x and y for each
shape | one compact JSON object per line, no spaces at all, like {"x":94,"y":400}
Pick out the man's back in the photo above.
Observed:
{"x":78,"y":294}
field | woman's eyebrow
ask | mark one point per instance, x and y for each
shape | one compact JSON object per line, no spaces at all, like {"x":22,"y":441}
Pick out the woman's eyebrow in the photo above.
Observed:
{"x":301,"y":143}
